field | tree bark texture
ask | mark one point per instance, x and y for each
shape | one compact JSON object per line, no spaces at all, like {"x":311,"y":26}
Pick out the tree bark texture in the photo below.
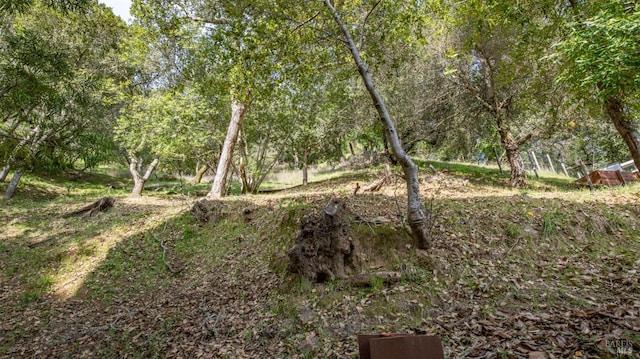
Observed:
{"x":13,"y":184}
{"x":199,"y":173}
{"x":31,"y":137}
{"x":138,"y":179}
{"x":512,"y":150}
{"x":305,"y":167}
{"x":417,"y":217}
{"x":625,"y":127}
{"x":242,"y":168}
{"x":220,"y":180}
{"x":518,"y":171}
{"x":4,"y":172}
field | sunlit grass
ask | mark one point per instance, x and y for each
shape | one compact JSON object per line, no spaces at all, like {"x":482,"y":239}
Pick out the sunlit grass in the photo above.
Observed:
{"x":525,"y":249}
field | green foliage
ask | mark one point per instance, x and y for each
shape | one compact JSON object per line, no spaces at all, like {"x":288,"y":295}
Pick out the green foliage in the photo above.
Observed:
{"x":377,"y":284}
{"x":69,"y":67}
{"x":599,"y":64}
{"x":600,"y":54}
{"x":55,"y":68}
{"x":513,"y":230}
{"x":20,"y":6}
{"x":170,"y":125}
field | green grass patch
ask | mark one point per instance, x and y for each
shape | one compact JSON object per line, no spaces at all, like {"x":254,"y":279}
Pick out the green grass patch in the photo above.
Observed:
{"x":495,"y":251}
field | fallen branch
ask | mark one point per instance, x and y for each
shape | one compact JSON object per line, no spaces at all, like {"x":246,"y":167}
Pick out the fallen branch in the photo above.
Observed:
{"x":164,"y":251}
{"x":377,"y":184}
{"x":436,"y":172}
{"x":100,"y":205}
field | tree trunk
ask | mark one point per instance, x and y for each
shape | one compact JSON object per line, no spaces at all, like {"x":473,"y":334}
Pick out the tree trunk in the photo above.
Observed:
{"x":4,"y":172}
{"x":242,"y":169}
{"x":138,"y":186}
{"x":199,"y":173}
{"x":220,"y":180}
{"x":512,"y":147}
{"x":13,"y":184}
{"x":518,"y":172}
{"x":139,"y":180}
{"x":31,"y":137}
{"x":418,"y":220}
{"x":296,"y":160}
{"x":305,"y":167}
{"x":625,"y":126}
{"x":138,"y":183}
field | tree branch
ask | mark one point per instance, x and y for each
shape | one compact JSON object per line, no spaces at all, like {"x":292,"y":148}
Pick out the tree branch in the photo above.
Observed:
{"x":475,"y":91}
{"x":524,"y":139}
{"x":364,"y":23}
{"x":150,"y":168}
{"x":192,"y":17}
{"x":491,"y":79}
{"x":305,"y":22}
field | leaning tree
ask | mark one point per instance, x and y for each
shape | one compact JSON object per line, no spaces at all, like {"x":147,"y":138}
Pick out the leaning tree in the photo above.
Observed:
{"x":599,"y":60}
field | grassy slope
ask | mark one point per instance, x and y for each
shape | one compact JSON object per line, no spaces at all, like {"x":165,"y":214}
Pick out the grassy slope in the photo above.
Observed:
{"x":552,"y":268}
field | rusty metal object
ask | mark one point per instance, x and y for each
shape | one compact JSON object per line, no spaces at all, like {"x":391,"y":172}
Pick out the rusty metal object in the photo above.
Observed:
{"x":611,"y":178}
{"x":400,"y":346}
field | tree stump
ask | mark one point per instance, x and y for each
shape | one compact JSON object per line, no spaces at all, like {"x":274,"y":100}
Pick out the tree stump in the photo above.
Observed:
{"x":324,"y":250}
{"x":206,"y":210}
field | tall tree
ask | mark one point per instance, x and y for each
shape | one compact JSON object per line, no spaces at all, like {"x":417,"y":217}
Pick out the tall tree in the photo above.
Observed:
{"x":600,"y":62}
{"x":416,"y":215}
{"x":161,"y":126}
{"x":496,"y":58}
{"x":237,"y":54}
{"x":55,"y":66}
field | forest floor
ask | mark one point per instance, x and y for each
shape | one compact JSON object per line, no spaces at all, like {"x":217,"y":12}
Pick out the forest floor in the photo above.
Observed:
{"x":552,"y":271}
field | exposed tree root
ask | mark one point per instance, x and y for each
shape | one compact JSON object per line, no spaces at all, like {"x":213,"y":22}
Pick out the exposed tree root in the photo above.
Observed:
{"x":101,"y":205}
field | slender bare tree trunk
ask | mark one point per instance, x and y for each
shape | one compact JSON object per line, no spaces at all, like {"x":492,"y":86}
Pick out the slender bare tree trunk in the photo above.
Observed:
{"x":625,"y":126}
{"x":305,"y":167}
{"x":511,"y":147}
{"x":4,"y":172}
{"x":244,"y":160}
{"x":13,"y":184}
{"x":138,"y":179}
{"x":220,"y":180}
{"x":418,"y":219}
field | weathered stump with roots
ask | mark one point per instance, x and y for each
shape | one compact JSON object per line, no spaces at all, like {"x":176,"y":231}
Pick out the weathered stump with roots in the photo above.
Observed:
{"x":324,"y":250}
{"x":206,"y":210}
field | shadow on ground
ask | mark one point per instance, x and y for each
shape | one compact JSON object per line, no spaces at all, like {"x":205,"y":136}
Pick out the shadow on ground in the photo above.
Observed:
{"x":163,"y":284}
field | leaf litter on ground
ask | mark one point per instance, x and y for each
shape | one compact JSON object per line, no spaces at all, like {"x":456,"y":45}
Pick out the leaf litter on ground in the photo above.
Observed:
{"x":510,"y":275}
